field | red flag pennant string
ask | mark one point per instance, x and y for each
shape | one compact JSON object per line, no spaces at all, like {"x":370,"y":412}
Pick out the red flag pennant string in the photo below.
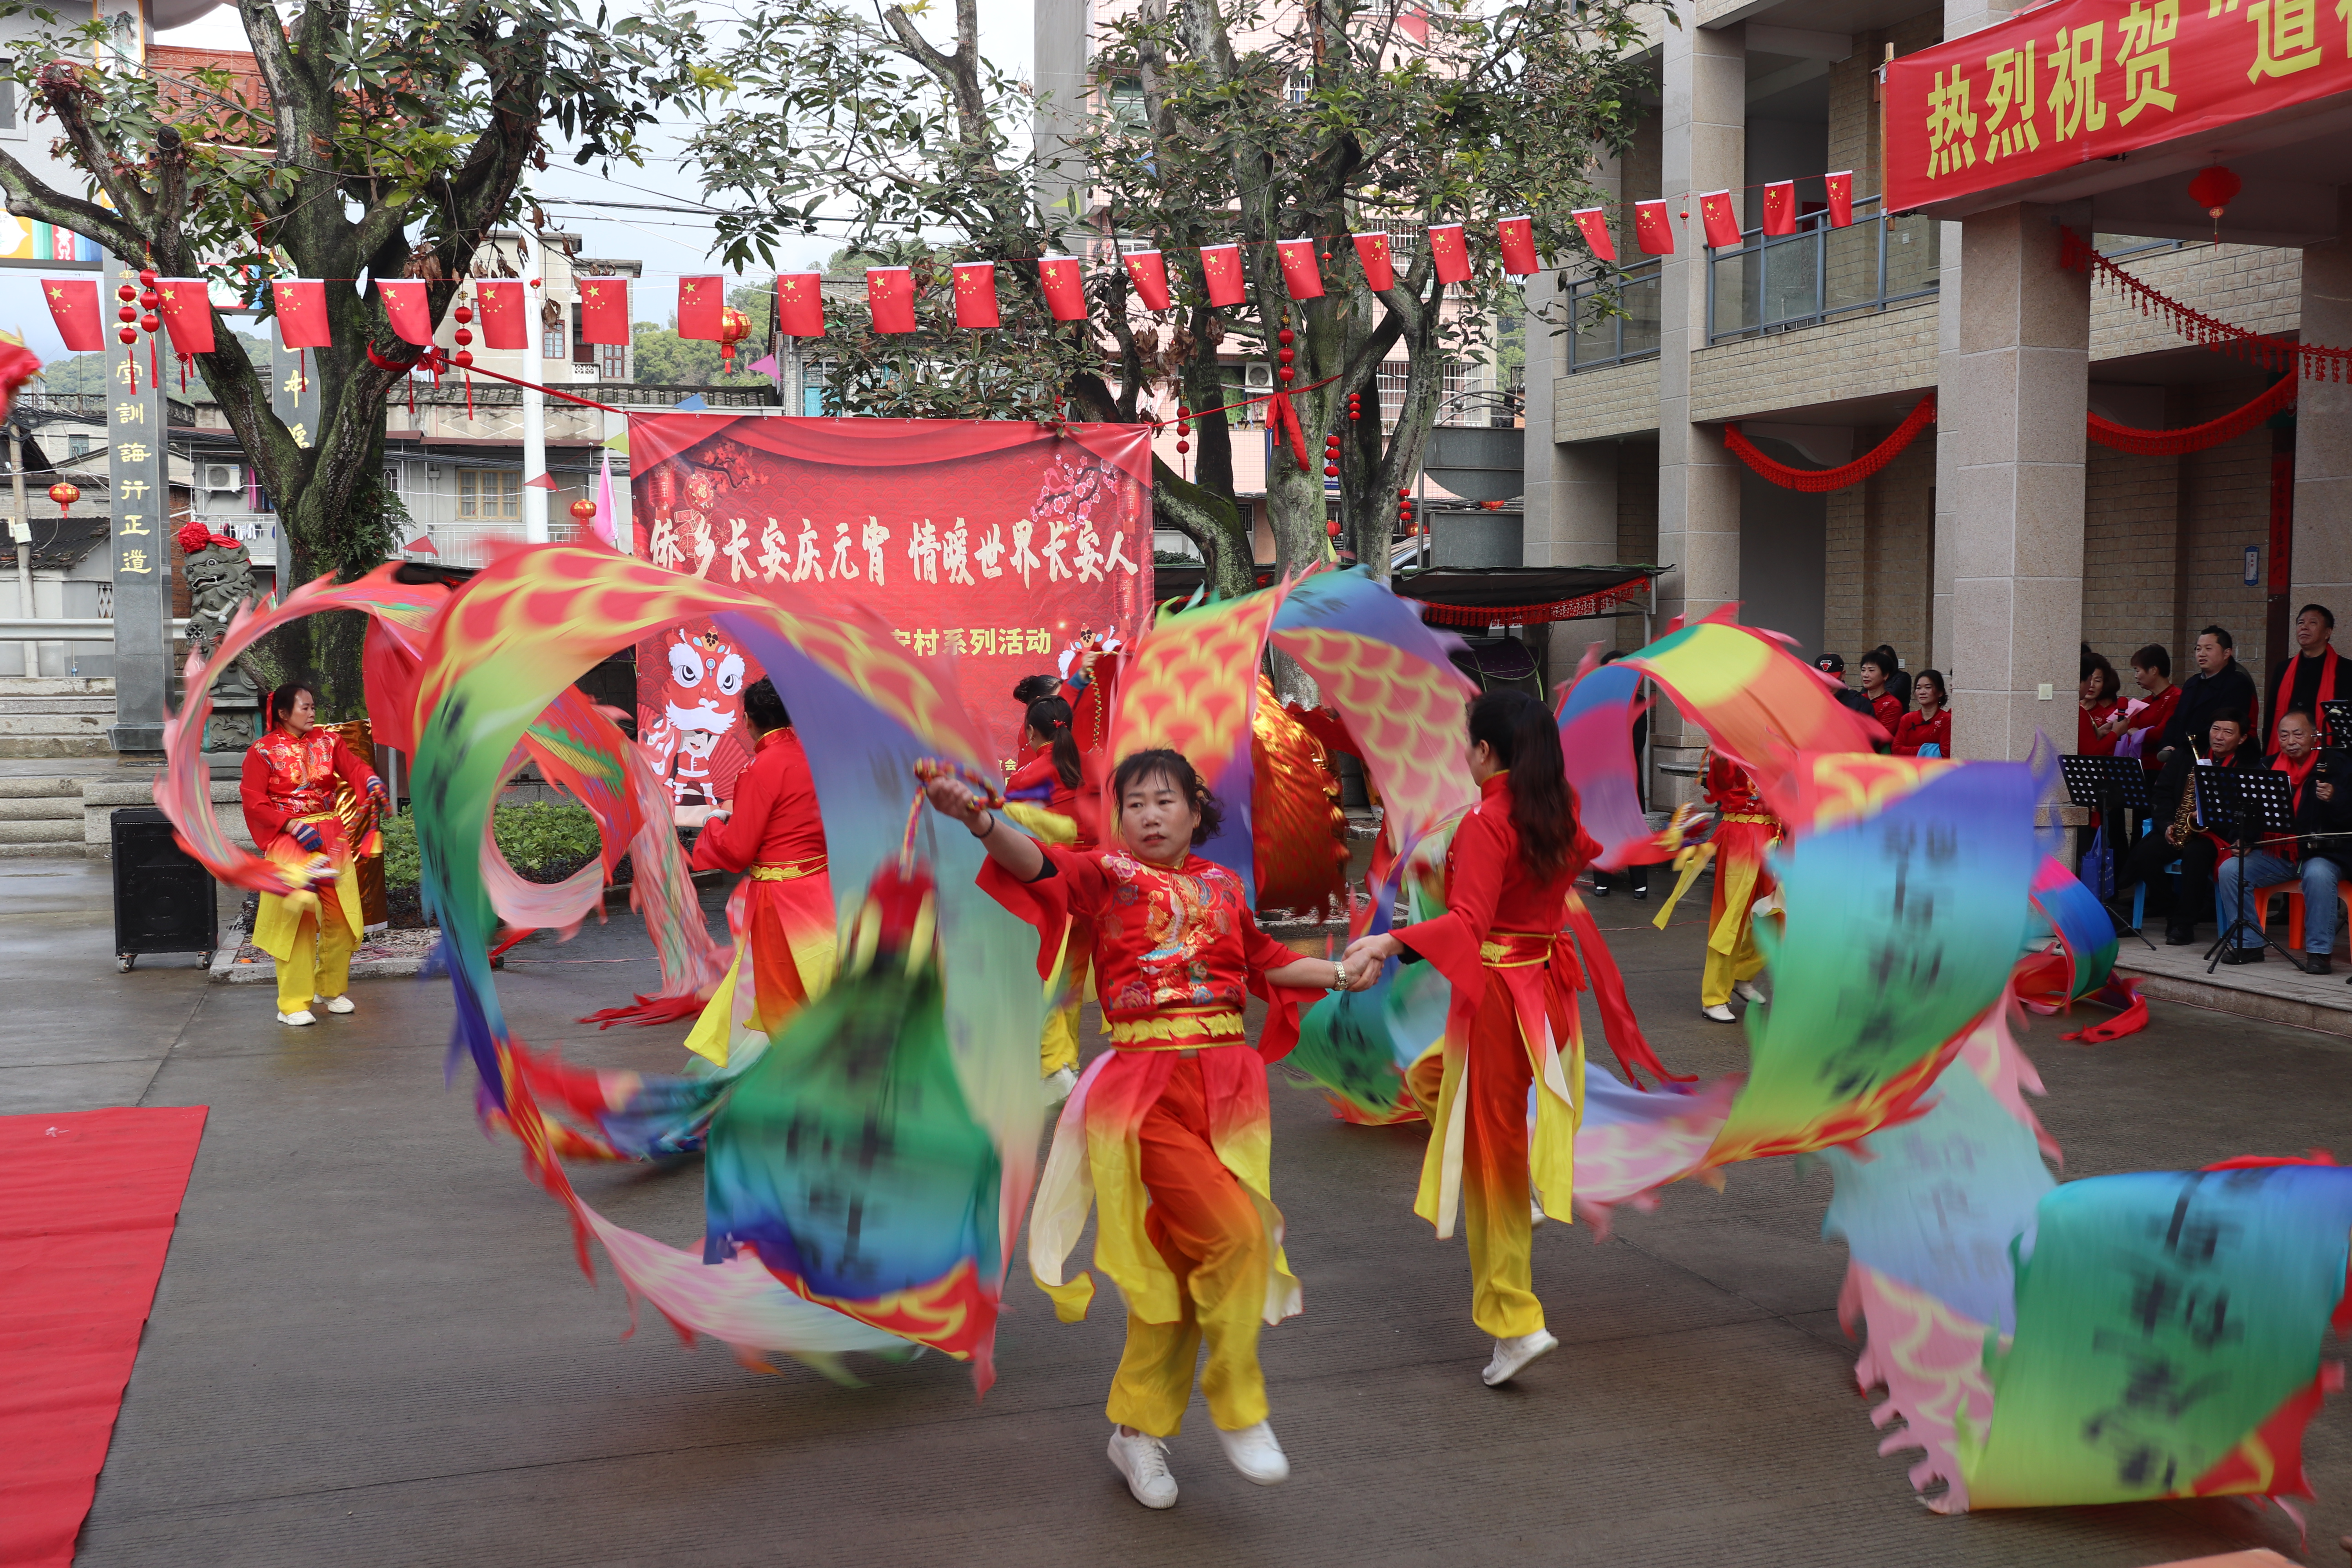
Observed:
{"x":1654,"y":231}
{"x":1149,"y":272}
{"x":1451,"y":252}
{"x":1841,"y":189}
{"x":2311,"y":361}
{"x":1593,"y":224}
{"x":1781,"y":208}
{"x":1517,"y":239}
{"x":1066,"y":289}
{"x":1715,"y":210}
{"x":1300,"y":276}
{"x":1372,"y":254}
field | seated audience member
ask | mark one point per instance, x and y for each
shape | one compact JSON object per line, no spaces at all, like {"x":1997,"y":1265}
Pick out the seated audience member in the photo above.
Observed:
{"x":2181,"y":836}
{"x":2320,"y":785}
{"x":1879,"y":671}
{"x":2219,"y":686}
{"x":2317,"y":674}
{"x":2098,"y":699}
{"x":1931,"y":725}
{"x":2134,"y":731}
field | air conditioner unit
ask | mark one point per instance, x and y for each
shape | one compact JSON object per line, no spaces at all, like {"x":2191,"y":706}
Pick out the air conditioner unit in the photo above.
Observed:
{"x":224,"y":477}
{"x":1261,"y":378}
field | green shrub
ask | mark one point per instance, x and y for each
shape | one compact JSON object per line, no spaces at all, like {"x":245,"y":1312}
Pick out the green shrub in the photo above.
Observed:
{"x":545,"y":842}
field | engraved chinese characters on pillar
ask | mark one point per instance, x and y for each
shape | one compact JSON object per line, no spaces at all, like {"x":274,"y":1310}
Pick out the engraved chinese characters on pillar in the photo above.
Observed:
{"x":139,"y":506}
{"x":293,"y":389}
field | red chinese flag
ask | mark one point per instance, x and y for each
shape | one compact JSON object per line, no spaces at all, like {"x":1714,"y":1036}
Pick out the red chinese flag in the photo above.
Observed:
{"x":1593,"y":224}
{"x":1781,"y":208}
{"x":1840,"y":186}
{"x":1518,"y":238}
{"x":187,"y":311}
{"x":408,"y":306}
{"x":890,"y":294}
{"x":73,"y":305}
{"x":700,"y":301}
{"x":1220,"y":269}
{"x":1065,"y":289}
{"x":1654,"y":231}
{"x":1373,"y":251}
{"x":975,"y":290}
{"x":604,"y":312}
{"x":1299,"y":274}
{"x":301,"y":305}
{"x":1148,"y":270}
{"x":800,"y":304}
{"x":1451,"y":252}
{"x":506,"y":318}
{"x":1722,"y":223}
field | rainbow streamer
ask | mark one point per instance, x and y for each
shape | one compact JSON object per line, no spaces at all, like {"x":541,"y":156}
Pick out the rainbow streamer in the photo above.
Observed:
{"x":1596,"y":742}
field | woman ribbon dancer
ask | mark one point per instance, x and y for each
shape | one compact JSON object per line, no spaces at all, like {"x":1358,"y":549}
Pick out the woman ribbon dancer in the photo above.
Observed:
{"x":780,"y":915}
{"x":1169,"y":1129}
{"x":1745,"y":831}
{"x":1044,"y":795}
{"x":288,"y":786}
{"x":1508,"y":873}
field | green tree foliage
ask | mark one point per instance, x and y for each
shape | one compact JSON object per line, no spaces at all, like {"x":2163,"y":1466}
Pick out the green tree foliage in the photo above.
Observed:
{"x":386,"y":140}
{"x":1336,"y":119}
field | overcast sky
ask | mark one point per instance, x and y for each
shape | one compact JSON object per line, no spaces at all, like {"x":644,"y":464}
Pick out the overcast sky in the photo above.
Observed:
{"x":670,"y":243}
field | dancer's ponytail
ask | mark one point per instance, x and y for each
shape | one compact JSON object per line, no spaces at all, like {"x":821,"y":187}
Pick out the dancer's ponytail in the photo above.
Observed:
{"x":1521,"y":734}
{"x":1050,"y":716}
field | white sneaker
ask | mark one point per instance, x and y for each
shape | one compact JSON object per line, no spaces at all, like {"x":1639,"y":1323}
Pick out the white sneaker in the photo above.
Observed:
{"x":340,"y":1005}
{"x":1748,"y":991}
{"x":1535,"y":1210}
{"x":1058,"y":1084}
{"x":1144,"y":1462}
{"x":1720,"y":1013}
{"x":298,"y":1020}
{"x":1511,"y":1356}
{"x":1255,"y":1454}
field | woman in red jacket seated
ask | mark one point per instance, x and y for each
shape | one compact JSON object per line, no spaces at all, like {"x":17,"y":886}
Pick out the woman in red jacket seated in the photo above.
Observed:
{"x":1513,"y":1021}
{"x":290,"y":787}
{"x":2098,"y":699}
{"x":1931,"y":725}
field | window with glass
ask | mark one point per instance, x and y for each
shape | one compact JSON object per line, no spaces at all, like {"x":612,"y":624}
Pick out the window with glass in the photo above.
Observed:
{"x":489,"y":495}
{"x":612,"y":362}
{"x":551,"y":342}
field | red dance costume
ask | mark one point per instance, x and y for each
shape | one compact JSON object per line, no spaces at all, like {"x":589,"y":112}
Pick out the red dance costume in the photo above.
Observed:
{"x":1512,"y":1023}
{"x":782,"y":915}
{"x":1170,"y":1130}
{"x":1745,"y":832}
{"x":288,"y":779}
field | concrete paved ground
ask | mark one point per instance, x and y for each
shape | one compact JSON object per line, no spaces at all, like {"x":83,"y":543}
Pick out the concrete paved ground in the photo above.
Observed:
{"x":372,"y":1344}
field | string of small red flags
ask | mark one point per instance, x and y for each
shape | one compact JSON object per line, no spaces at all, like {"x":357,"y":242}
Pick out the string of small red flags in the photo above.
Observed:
{"x":1654,"y":229}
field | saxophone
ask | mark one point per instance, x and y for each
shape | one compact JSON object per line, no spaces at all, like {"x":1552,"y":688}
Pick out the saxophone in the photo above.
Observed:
{"x":2184,"y":816}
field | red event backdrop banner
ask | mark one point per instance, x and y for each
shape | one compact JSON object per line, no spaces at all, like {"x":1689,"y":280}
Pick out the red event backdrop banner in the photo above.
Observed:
{"x":992,"y":544}
{"x":2082,"y":79}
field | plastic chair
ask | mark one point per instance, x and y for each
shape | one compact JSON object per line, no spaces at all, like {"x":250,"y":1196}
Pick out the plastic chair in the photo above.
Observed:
{"x":2260,"y":897}
{"x":2140,"y":890}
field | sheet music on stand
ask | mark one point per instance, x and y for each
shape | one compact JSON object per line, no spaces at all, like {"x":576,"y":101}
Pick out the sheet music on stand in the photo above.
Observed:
{"x":2336,"y":723}
{"x":2241,"y":803}
{"x":2105,"y":783}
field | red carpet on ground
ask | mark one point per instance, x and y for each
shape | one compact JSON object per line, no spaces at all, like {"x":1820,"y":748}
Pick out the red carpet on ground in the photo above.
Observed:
{"x":88,"y":1201}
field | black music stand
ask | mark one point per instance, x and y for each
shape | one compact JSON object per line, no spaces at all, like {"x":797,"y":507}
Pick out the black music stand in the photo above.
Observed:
{"x":2242,"y":805}
{"x":2108,"y":785}
{"x":2336,"y":723}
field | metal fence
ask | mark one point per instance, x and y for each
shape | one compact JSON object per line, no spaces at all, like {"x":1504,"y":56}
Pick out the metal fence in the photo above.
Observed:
{"x":1598,"y":336}
{"x":1770,"y":283}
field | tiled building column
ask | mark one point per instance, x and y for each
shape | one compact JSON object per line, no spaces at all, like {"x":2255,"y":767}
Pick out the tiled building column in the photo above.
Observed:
{"x":2022,"y":375}
{"x":1704,"y":148}
{"x":2322,"y":435}
{"x":1559,"y":492}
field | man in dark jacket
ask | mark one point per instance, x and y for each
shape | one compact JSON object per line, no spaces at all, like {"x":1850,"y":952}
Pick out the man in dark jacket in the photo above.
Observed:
{"x":2178,"y":836}
{"x":2316,"y":674}
{"x":2219,"y":686}
{"x":2320,"y":785}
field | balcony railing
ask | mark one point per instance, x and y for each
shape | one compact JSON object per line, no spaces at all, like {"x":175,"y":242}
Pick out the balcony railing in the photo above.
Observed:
{"x":1595,"y":340}
{"x":1771,"y":283}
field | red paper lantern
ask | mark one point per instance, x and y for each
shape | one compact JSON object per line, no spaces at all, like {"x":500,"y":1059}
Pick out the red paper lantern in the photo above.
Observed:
{"x":65,"y":495}
{"x":1330,"y":470}
{"x":126,"y":293}
{"x":463,"y":336}
{"x":150,"y":322}
{"x":462,"y":314}
{"x":2214,"y":189}
{"x":463,"y":359}
{"x":1332,"y":528}
{"x":147,"y":277}
{"x":127,"y":335}
{"x":733,"y":327}
{"x":584,"y":509}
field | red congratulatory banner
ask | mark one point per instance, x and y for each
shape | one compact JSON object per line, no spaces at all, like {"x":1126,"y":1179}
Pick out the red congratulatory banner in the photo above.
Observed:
{"x":2081,"y":79}
{"x":998,"y":544}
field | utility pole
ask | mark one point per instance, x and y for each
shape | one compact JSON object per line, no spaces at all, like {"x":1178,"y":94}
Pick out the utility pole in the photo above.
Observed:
{"x":534,"y":400}
{"x":20,"y":524}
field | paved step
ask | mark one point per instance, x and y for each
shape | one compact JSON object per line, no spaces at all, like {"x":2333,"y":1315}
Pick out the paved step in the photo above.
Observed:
{"x":50,"y":808}
{"x":57,"y":685}
{"x":47,"y":830}
{"x":44,"y":852}
{"x":93,"y":703}
{"x":35,"y":787}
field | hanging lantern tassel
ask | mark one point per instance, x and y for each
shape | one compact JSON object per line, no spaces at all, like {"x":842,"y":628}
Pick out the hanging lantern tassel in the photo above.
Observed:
{"x":464,"y":358}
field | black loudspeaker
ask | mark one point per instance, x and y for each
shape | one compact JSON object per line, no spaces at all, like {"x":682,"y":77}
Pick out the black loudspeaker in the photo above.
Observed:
{"x":164,"y":898}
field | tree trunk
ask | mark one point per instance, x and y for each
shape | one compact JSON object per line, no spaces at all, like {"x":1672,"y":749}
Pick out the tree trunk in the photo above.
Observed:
{"x":1210,"y":520}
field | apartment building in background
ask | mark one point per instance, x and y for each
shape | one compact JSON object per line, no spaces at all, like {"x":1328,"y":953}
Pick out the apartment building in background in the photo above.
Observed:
{"x":1971,"y":551}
